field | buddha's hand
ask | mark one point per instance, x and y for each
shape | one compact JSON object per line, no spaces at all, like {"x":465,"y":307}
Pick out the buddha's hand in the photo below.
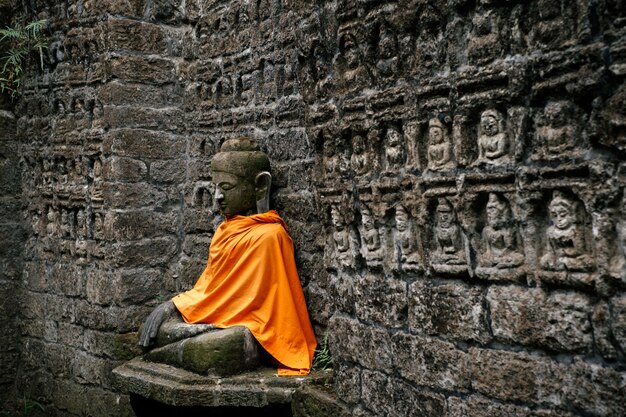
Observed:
{"x":151,"y":327}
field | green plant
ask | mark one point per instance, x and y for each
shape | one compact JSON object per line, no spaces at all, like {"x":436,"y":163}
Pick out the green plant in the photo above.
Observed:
{"x":323,"y":359}
{"x":28,"y":407}
{"x":20,"y":42}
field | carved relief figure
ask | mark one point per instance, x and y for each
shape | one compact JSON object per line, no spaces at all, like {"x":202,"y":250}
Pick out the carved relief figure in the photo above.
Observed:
{"x":331,"y":160}
{"x":493,"y":144}
{"x":354,"y":72}
{"x":406,"y":240}
{"x":370,"y":237}
{"x":439,"y":146}
{"x":52,"y":228}
{"x":566,"y":247}
{"x":557,"y":129}
{"x":618,"y":263}
{"x":387,"y":63}
{"x":341,"y":237}
{"x":359,"y":160}
{"x":449,"y":240}
{"x":394,"y":149}
{"x":501,"y":249}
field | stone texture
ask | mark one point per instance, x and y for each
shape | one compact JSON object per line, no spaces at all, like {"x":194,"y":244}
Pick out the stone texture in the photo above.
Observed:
{"x":529,"y":316}
{"x":452,"y":174}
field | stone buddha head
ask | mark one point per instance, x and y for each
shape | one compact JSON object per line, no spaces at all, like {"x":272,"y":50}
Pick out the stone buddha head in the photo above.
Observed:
{"x":445,"y":213}
{"x":241,"y":173}
{"x":491,"y":123}
{"x":563,"y":211}
{"x":497,"y":210}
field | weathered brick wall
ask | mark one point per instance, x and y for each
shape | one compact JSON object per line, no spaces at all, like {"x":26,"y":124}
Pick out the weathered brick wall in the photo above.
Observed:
{"x":480,"y":314}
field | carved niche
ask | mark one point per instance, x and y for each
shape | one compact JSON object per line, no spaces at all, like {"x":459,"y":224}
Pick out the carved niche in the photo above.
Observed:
{"x":501,"y":253}
{"x":494,"y":144}
{"x":449,"y":241}
{"x":566,"y":248}
{"x":440,"y":149}
{"x":406,"y":241}
{"x":371,"y":246}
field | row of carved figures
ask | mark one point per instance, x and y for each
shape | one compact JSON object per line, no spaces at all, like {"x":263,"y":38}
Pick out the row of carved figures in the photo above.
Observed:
{"x":500,"y":249}
{"x":69,"y":223}
{"x":554,"y":134}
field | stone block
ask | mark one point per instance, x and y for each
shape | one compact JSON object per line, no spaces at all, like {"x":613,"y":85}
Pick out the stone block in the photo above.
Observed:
{"x":125,"y":170}
{"x":110,"y":318}
{"x":163,"y":119}
{"x":408,"y":401}
{"x":121,"y":94}
{"x":347,"y":383}
{"x":593,"y":389}
{"x":453,"y":310}
{"x":376,"y":392}
{"x":140,"y":143}
{"x":479,"y":406}
{"x":511,"y":376}
{"x":126,"y":195}
{"x":144,"y":253}
{"x":317,"y":402}
{"x":431,"y":363}
{"x":558,"y":321}
{"x":139,"y":224}
{"x":168,"y":171}
{"x":618,"y":316}
{"x":70,"y":334}
{"x":356,"y":342}
{"x":127,"y":34}
{"x":151,"y":70}
{"x":381,"y":299}
{"x":68,"y":280}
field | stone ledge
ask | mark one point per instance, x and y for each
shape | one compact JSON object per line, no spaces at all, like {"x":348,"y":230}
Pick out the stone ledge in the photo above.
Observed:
{"x":177,"y":387}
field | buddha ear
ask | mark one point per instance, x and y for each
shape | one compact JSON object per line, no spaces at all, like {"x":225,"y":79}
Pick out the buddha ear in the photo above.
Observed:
{"x":263,"y":183}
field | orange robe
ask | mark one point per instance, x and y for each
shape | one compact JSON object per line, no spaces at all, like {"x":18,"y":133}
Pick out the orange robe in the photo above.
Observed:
{"x":251,"y":280}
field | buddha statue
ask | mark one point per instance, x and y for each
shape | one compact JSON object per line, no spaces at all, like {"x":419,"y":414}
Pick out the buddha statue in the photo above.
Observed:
{"x":342,"y":238}
{"x":359,"y":160}
{"x":439,"y":146}
{"x":493,"y":146}
{"x":250,"y":279}
{"x":450,"y":246}
{"x":406,"y":240}
{"x":499,"y":236}
{"x":370,"y":238}
{"x":394,"y":149}
{"x":566,"y":247}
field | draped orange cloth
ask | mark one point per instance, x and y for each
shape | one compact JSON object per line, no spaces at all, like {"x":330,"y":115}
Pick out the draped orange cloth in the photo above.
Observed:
{"x":251,"y":280}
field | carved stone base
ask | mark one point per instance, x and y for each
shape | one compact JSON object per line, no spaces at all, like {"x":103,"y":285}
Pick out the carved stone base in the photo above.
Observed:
{"x":174,"y":386}
{"x":584,"y":280}
{"x":500,"y":274}
{"x":449,"y":269}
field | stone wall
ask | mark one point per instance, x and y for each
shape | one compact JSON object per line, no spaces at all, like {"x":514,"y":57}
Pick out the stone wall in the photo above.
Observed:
{"x":452,"y":174}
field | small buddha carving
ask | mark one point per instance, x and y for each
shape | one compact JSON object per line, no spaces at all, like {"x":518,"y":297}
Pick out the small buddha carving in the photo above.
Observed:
{"x":359,"y":160}
{"x":354,"y":72}
{"x":370,"y":237}
{"x":387,"y":63}
{"x":394,"y":148}
{"x":331,"y":160}
{"x":557,"y":131}
{"x":618,"y":263}
{"x":566,"y":247}
{"x":501,"y":249}
{"x":341,"y":237}
{"x":450,"y":244}
{"x":493,"y":146}
{"x":52,"y":228}
{"x":406,"y":240}
{"x":439,"y":154}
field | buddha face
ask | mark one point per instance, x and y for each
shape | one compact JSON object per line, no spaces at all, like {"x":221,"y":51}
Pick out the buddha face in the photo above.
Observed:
{"x":562,"y":216}
{"x":435,"y":134}
{"x":402,"y":220}
{"x":489,"y":125}
{"x":496,"y":212}
{"x":393,"y":137}
{"x":444,"y":217}
{"x":235,"y":195}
